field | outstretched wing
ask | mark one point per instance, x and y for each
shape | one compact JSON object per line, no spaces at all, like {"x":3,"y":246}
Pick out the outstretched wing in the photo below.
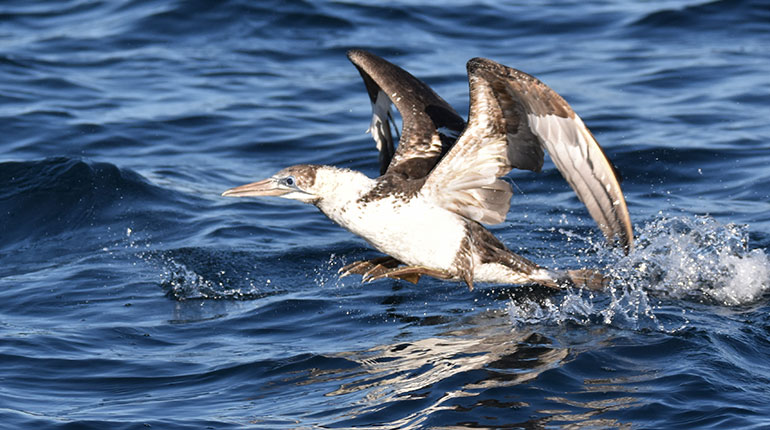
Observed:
{"x":430,"y":125}
{"x":513,"y":116}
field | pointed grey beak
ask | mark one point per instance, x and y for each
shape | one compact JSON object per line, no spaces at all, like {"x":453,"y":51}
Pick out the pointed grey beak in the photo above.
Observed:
{"x":266,"y":187}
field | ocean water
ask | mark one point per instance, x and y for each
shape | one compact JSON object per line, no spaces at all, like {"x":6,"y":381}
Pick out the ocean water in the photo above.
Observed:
{"x":133,"y":296}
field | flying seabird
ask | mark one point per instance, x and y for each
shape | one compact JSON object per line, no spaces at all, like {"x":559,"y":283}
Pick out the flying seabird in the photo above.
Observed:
{"x":443,"y":180}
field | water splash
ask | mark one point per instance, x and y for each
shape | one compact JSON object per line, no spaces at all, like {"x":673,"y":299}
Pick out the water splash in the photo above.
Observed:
{"x":199,"y":273}
{"x":697,"y":258}
{"x":326,"y":274}
{"x":679,"y":258}
{"x":183,"y":283}
{"x":190,"y":273}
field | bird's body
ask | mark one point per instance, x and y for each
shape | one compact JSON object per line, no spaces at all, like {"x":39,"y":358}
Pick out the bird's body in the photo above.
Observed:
{"x":409,"y":228}
{"x":425,"y":210}
{"x":415,"y":230}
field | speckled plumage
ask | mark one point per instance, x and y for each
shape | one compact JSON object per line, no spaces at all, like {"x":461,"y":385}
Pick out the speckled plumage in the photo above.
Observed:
{"x":443,"y":180}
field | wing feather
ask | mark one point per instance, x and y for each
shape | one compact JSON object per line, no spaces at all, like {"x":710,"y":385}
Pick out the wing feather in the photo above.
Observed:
{"x":430,"y":125}
{"x":513,"y":118}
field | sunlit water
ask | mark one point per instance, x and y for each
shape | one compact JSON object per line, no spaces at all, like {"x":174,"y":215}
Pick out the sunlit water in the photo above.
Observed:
{"x":133,"y":295}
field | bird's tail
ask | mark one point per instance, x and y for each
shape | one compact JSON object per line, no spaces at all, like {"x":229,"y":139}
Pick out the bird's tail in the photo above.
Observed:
{"x":581,"y":278}
{"x":587,"y":278}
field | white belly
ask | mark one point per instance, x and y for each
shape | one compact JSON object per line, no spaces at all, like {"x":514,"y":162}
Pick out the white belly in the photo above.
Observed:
{"x":420,"y":234}
{"x":498,"y":273}
{"x":416,"y":233}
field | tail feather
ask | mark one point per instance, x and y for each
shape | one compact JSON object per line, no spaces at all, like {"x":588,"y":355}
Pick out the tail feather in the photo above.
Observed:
{"x":492,"y":250}
{"x":588,"y":278}
{"x":581,"y":278}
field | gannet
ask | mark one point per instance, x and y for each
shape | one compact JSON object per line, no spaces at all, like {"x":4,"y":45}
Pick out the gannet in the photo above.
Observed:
{"x":444,"y":179}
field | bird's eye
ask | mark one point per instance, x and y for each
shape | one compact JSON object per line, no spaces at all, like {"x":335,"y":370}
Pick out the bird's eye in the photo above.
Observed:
{"x":289,"y":181}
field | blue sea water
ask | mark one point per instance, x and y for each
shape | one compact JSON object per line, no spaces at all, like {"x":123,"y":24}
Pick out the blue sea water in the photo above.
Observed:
{"x":132,"y":295}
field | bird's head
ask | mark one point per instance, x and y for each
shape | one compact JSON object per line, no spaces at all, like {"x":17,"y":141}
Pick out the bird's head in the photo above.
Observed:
{"x":295,"y":182}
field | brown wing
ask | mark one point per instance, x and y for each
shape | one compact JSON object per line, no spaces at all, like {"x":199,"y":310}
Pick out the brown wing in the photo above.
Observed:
{"x":513,"y":116}
{"x":430,"y":125}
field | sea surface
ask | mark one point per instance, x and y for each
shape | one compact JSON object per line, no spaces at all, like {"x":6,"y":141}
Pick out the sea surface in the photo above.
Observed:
{"x":132,"y":295}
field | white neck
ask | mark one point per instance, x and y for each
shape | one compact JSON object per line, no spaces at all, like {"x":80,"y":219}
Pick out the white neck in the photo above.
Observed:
{"x":339,"y":187}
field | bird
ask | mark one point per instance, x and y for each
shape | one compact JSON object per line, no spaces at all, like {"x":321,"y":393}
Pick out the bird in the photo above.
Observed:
{"x":442,"y":178}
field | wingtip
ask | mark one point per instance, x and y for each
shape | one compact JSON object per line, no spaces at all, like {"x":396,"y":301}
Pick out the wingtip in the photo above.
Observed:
{"x":357,"y":55}
{"x":626,"y":233}
{"x":355,"y":52}
{"x":473,"y":64}
{"x":476,"y":63}
{"x":623,"y":239}
{"x":628,"y":244}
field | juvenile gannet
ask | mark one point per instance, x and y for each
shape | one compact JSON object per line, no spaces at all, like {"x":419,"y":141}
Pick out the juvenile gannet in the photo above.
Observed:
{"x":442,"y":182}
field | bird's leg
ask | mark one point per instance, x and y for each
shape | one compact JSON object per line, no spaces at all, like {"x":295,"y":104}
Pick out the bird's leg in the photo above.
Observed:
{"x":364,"y":266}
{"x":376,"y":267}
{"x":407,"y":273}
{"x":379,"y":270}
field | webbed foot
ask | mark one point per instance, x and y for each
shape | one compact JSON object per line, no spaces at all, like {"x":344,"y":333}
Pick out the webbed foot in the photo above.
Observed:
{"x":363,"y":267}
{"x":407,"y":273}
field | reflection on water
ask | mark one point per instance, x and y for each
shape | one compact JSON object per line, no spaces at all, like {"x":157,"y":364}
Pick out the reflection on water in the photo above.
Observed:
{"x":541,"y":359}
{"x":452,"y":380}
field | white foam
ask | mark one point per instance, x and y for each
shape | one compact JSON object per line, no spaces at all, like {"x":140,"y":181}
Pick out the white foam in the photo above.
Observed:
{"x":699,"y":258}
{"x":746,"y":280}
{"x":681,"y":258}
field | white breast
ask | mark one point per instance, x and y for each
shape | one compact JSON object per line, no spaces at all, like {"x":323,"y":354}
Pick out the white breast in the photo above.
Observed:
{"x":415,"y":232}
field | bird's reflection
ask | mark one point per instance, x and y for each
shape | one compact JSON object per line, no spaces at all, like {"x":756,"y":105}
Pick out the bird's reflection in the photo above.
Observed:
{"x":483,"y":365}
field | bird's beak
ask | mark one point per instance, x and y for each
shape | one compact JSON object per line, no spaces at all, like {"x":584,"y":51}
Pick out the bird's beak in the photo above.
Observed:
{"x":266,"y":187}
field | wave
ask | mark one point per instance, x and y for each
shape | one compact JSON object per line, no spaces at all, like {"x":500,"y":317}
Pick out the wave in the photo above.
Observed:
{"x":60,"y":196}
{"x":712,"y":15}
{"x":251,"y":19}
{"x":214,"y":274}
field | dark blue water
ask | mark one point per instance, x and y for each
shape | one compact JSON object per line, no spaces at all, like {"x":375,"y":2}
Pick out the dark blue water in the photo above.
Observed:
{"x":132,"y":295}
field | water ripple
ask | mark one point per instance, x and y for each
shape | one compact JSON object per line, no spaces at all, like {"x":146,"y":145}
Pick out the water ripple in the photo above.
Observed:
{"x":132,"y":294}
